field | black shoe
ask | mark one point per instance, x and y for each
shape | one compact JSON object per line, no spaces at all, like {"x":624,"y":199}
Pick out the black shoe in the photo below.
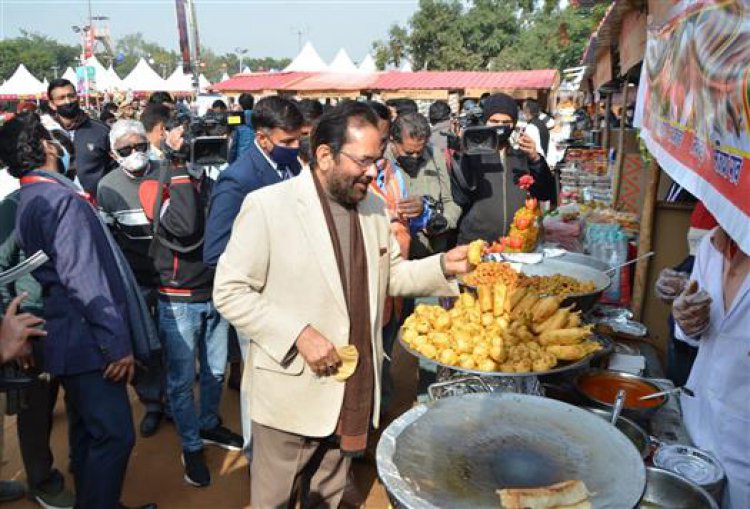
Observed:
{"x":222,"y":437}
{"x":145,"y":506}
{"x":150,"y":423}
{"x":11,"y":490}
{"x":196,"y":471}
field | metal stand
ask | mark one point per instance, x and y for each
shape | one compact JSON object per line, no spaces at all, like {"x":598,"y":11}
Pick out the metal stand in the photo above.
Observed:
{"x":455,"y":383}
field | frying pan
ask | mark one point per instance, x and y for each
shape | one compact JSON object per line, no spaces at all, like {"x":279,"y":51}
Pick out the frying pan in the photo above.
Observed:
{"x":455,"y":452}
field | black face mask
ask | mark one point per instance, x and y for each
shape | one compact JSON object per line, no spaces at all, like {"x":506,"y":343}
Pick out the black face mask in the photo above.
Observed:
{"x":70,"y":110}
{"x":305,"y":149}
{"x":409,"y":164}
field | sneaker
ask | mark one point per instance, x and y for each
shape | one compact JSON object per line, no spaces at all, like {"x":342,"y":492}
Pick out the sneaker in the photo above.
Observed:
{"x":222,"y":437}
{"x":63,"y":499}
{"x":196,"y":471}
{"x":11,"y":490}
{"x":150,"y":423}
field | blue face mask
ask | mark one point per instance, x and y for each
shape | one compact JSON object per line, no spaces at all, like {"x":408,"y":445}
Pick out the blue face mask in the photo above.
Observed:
{"x":64,"y":159}
{"x":284,"y":156}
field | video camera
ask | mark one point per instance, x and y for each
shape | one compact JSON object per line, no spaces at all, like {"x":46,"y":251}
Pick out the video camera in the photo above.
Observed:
{"x":205,"y":139}
{"x":476,"y":138}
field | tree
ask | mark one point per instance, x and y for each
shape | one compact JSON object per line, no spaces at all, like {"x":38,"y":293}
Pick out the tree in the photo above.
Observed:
{"x":393,"y":50}
{"x":490,"y":34}
{"x":134,"y":47}
{"x":40,"y":54}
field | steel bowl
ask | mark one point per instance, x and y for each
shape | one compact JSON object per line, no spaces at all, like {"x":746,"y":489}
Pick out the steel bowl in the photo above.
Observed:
{"x":637,"y":413}
{"x":667,"y":490}
{"x":635,"y":433}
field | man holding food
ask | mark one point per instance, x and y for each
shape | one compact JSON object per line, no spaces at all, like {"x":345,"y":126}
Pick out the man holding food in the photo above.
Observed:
{"x":713,"y":313}
{"x":306,"y":315}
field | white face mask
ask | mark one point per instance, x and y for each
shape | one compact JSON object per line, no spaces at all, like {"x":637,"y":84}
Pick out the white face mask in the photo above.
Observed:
{"x":135,"y":162}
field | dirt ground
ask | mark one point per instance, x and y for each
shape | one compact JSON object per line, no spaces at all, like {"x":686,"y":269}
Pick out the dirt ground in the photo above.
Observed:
{"x":155,"y":473}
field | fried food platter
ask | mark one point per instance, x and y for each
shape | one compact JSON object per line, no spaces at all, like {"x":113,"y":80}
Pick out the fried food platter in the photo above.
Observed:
{"x":455,"y":452}
{"x":562,"y":367}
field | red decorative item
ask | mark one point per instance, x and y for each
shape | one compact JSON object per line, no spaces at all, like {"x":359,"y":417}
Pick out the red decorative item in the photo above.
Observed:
{"x":526,"y":182}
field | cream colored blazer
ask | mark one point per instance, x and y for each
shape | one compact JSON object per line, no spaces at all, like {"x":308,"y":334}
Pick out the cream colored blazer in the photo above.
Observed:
{"x":279,"y":274}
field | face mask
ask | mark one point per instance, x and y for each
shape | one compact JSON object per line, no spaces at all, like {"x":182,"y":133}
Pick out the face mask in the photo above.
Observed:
{"x":409,"y":164}
{"x":284,"y":156}
{"x":135,"y":162}
{"x":305,"y":150}
{"x":64,"y":160}
{"x":70,"y":110}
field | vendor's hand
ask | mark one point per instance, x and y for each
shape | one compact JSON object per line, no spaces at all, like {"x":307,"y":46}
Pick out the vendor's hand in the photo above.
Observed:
{"x":174,"y":138}
{"x":670,"y":284}
{"x":16,"y":329}
{"x":411,"y":207}
{"x":318,"y":352}
{"x":527,"y":145}
{"x":122,"y":370}
{"x":692,"y":310}
{"x":456,"y":261}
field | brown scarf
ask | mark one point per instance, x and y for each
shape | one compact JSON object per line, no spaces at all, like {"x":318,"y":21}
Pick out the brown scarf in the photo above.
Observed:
{"x":354,"y":421}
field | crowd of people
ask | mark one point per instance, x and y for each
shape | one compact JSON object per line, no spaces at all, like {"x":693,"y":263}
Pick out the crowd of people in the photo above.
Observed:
{"x":164,"y":273}
{"x":316,"y":230}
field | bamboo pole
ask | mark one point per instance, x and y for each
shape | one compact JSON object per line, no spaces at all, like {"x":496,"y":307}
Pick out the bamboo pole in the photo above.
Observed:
{"x":606,"y":142}
{"x":620,"y":161}
{"x":645,"y":240}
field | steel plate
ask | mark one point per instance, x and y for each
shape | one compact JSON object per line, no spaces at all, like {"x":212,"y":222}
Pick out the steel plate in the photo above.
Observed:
{"x":457,"y":451}
{"x":563,"y":366}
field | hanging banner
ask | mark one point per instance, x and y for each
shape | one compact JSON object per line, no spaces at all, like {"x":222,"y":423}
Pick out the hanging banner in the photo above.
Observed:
{"x":694,"y":106}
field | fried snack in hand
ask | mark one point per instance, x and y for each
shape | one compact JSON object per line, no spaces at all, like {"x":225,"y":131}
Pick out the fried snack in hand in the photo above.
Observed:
{"x":476,"y":248}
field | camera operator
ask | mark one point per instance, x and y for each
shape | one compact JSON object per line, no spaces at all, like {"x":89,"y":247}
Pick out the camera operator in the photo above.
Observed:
{"x":429,"y":205}
{"x":189,"y":325}
{"x":484,"y":184}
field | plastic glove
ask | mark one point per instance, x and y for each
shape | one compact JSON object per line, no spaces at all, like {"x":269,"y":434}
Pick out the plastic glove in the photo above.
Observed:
{"x":692,"y":310}
{"x":670,"y":284}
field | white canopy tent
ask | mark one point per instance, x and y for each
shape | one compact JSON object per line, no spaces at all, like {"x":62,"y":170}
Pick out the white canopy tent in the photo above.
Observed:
{"x":69,"y":75}
{"x":115,"y":80}
{"x":341,"y":63}
{"x":22,"y":83}
{"x":308,"y":60}
{"x":246,"y":70}
{"x":367,"y":65}
{"x":143,"y":79}
{"x":181,"y":82}
{"x":103,"y":79}
{"x":224,"y":76}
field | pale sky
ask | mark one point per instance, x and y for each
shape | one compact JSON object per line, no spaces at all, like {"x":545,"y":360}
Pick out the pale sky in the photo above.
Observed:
{"x":263,"y":27}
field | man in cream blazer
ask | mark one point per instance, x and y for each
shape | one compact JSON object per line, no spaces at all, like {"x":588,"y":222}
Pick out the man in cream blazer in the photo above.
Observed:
{"x":278,"y":283}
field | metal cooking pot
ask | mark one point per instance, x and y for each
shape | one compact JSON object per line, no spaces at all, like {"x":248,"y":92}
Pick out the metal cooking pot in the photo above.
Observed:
{"x":635,"y":433}
{"x":582,"y":301}
{"x":640,"y":414}
{"x":667,"y":490}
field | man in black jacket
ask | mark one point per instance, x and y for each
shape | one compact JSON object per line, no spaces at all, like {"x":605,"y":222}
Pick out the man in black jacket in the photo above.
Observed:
{"x":90,"y":137}
{"x":189,"y":324}
{"x":486,"y":190}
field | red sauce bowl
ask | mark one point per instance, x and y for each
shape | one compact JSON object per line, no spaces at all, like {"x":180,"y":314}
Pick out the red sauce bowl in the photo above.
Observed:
{"x":600,"y":388}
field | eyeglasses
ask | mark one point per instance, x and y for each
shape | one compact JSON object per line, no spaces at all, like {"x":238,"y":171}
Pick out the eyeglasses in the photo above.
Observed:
{"x":367,"y":162}
{"x":127,"y":150}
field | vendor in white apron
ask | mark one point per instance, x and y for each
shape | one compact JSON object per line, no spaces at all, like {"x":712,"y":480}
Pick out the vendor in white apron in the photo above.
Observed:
{"x":716,"y":318}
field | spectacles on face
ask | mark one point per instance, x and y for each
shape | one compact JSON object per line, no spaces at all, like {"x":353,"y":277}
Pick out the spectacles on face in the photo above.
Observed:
{"x":367,"y":162}
{"x":128,"y":149}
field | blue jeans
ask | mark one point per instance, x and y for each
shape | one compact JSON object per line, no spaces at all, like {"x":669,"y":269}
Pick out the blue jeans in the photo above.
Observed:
{"x":185,"y":327}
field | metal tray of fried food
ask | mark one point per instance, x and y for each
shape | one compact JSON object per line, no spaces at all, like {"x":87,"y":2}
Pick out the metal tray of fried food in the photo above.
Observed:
{"x":562,"y":366}
{"x":455,"y":452}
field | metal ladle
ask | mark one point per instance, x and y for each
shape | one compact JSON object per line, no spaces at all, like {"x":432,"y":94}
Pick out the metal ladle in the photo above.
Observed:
{"x":619,"y":404}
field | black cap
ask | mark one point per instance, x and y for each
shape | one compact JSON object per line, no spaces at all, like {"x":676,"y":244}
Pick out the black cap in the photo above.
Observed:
{"x":500,"y":103}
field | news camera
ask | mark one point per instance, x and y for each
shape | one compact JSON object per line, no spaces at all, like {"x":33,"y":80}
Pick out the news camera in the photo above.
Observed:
{"x":206,"y":138}
{"x":476,"y":138}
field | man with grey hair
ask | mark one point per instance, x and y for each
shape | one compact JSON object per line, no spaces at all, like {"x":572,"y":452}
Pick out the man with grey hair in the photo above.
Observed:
{"x":429,"y":206}
{"x":119,"y":203}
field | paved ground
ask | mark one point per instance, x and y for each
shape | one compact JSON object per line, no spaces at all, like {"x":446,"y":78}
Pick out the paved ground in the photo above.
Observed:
{"x":155,"y":473}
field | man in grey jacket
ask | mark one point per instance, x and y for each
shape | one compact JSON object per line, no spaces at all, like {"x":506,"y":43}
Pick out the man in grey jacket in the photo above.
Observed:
{"x":429,"y":204}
